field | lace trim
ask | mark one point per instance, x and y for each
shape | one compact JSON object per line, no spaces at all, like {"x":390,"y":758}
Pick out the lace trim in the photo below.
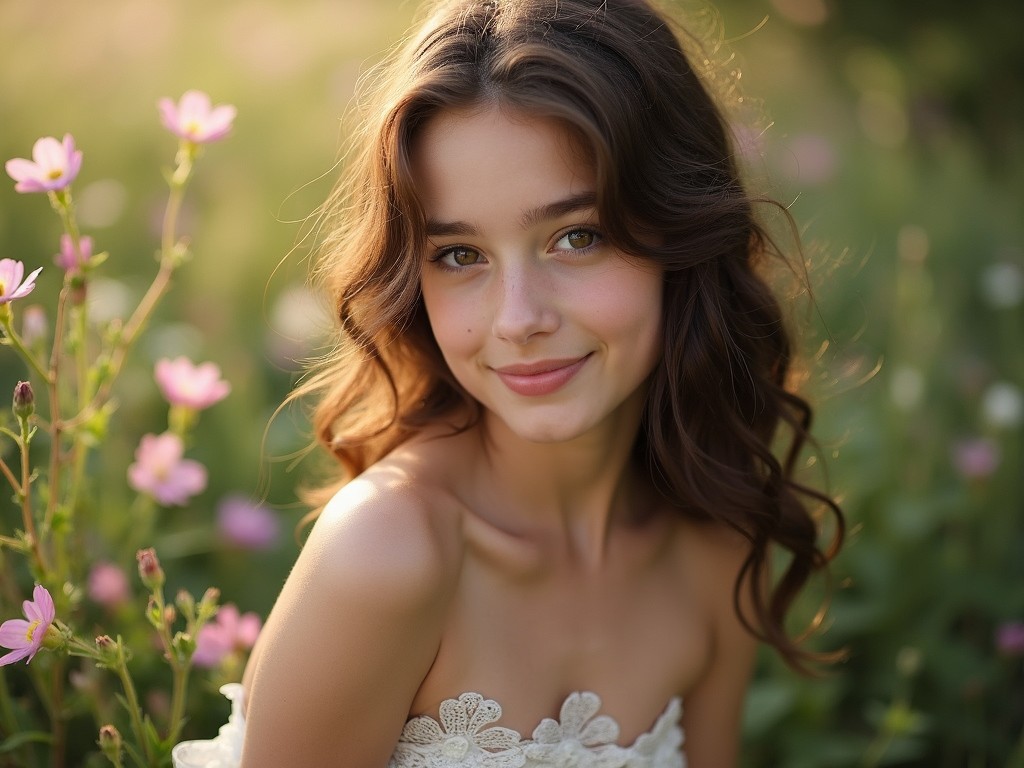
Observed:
{"x":580,"y":737}
{"x":465,"y":738}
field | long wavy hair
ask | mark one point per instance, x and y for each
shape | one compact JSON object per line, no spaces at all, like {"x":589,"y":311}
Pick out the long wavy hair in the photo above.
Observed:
{"x":719,"y":404}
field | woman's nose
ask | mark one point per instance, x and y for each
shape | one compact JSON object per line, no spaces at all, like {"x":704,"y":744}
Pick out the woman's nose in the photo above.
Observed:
{"x":524,"y":305}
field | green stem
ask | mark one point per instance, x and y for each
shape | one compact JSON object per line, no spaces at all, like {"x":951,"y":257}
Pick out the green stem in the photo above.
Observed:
{"x":6,"y":472}
{"x":179,"y":695}
{"x":20,"y":348}
{"x":134,"y":710}
{"x":160,"y":285}
{"x":179,"y":670}
{"x":56,"y":426}
{"x":27,"y":518}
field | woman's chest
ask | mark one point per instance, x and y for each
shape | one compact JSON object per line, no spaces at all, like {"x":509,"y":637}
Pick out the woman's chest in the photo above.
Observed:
{"x":637,"y":641}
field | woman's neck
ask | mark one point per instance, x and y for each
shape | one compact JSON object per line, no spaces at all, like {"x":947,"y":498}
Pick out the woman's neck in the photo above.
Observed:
{"x":570,"y":496}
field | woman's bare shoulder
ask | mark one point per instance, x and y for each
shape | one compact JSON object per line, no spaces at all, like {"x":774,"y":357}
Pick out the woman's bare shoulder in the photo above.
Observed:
{"x":358,"y":622}
{"x":394,"y":520}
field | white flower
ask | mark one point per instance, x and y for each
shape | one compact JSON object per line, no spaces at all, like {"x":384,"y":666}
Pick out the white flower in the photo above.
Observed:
{"x":1002,"y":284}
{"x":580,"y":739}
{"x":906,"y":387}
{"x":460,"y":740}
{"x":1003,"y":405}
{"x":661,"y":746}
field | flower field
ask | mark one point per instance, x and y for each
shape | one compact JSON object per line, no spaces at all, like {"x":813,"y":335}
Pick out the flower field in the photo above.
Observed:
{"x":159,"y":235}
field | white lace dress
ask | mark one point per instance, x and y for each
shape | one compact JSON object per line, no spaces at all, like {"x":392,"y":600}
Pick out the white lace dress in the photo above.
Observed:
{"x":466,"y":738}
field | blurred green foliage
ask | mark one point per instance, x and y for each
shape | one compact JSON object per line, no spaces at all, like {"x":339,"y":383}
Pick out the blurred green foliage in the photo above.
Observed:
{"x":897,"y":137}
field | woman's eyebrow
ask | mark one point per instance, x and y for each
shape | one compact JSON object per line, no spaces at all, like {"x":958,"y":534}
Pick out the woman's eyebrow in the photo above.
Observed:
{"x":529,"y":218}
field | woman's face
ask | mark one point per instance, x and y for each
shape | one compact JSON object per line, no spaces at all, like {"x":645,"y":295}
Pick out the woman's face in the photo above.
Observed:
{"x":540,"y":319}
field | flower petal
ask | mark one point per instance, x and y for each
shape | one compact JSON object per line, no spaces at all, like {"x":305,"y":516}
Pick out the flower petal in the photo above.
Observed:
{"x":28,"y":286}
{"x":454,"y":716}
{"x":422,"y":729}
{"x":600,"y":730}
{"x":48,"y":153}
{"x":497,"y":737}
{"x":44,"y":602}
{"x":20,"y":169}
{"x":17,"y":655}
{"x":14,"y":633}
{"x":577,"y":709}
{"x":11,"y":272}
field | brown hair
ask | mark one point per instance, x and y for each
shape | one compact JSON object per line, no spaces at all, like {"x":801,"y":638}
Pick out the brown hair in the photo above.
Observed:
{"x":615,"y":73}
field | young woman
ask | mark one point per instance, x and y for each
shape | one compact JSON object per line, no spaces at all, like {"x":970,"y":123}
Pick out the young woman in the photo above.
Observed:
{"x":559,"y":378}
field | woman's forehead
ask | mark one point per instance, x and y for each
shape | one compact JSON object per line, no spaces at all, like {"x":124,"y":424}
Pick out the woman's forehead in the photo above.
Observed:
{"x":476,"y":159}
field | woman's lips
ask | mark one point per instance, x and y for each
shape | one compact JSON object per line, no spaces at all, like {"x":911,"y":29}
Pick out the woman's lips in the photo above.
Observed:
{"x":541,"y":378}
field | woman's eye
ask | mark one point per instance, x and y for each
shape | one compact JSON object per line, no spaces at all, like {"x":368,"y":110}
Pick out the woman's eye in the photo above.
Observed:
{"x":577,"y":239}
{"x":460,"y":257}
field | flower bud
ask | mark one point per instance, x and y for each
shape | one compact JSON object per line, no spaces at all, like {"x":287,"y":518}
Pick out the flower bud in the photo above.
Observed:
{"x":186,"y":604}
{"x":109,"y":650}
{"x":208,"y":604}
{"x":150,"y":572}
{"x":24,"y":400}
{"x":184,"y":645}
{"x":110,"y":743}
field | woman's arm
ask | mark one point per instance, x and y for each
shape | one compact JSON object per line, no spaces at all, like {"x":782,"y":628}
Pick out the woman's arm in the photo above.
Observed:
{"x":713,"y":708}
{"x":352,"y":634}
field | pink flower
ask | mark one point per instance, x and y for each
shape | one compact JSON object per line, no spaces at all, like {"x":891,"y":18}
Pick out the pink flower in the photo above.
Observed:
{"x":11,"y":285}
{"x":54,"y":165}
{"x":188,"y":385}
{"x":26,"y":637}
{"x":68,"y":259}
{"x":247,"y":525}
{"x":1010,"y":638}
{"x":161,"y":472}
{"x":976,"y":458}
{"x":108,"y":585}
{"x":194,"y":119}
{"x":227,"y":633}
{"x":34,"y":325}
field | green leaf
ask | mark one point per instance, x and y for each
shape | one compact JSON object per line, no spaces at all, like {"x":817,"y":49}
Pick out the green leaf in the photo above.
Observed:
{"x":12,"y":743}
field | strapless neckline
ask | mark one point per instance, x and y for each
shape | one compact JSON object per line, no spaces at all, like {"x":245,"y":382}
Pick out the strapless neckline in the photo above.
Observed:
{"x":465,"y":736}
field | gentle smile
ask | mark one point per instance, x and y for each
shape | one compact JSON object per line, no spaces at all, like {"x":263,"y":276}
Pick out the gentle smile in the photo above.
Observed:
{"x":540,"y":378}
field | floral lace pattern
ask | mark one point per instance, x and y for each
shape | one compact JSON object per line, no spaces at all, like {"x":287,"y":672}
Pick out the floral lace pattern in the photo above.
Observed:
{"x":580,"y":738}
{"x":465,"y":737}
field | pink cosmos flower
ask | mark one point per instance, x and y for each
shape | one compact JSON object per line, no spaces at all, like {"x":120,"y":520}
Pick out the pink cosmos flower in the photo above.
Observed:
{"x":227,"y":633}
{"x":68,"y":259}
{"x":26,"y":637}
{"x":108,"y":585}
{"x":34,"y":325}
{"x":976,"y":458}
{"x":192,"y":386}
{"x":161,"y":471}
{"x":247,"y":525}
{"x":194,"y":119}
{"x":11,"y":284}
{"x":1010,"y":638}
{"x":54,"y":165}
